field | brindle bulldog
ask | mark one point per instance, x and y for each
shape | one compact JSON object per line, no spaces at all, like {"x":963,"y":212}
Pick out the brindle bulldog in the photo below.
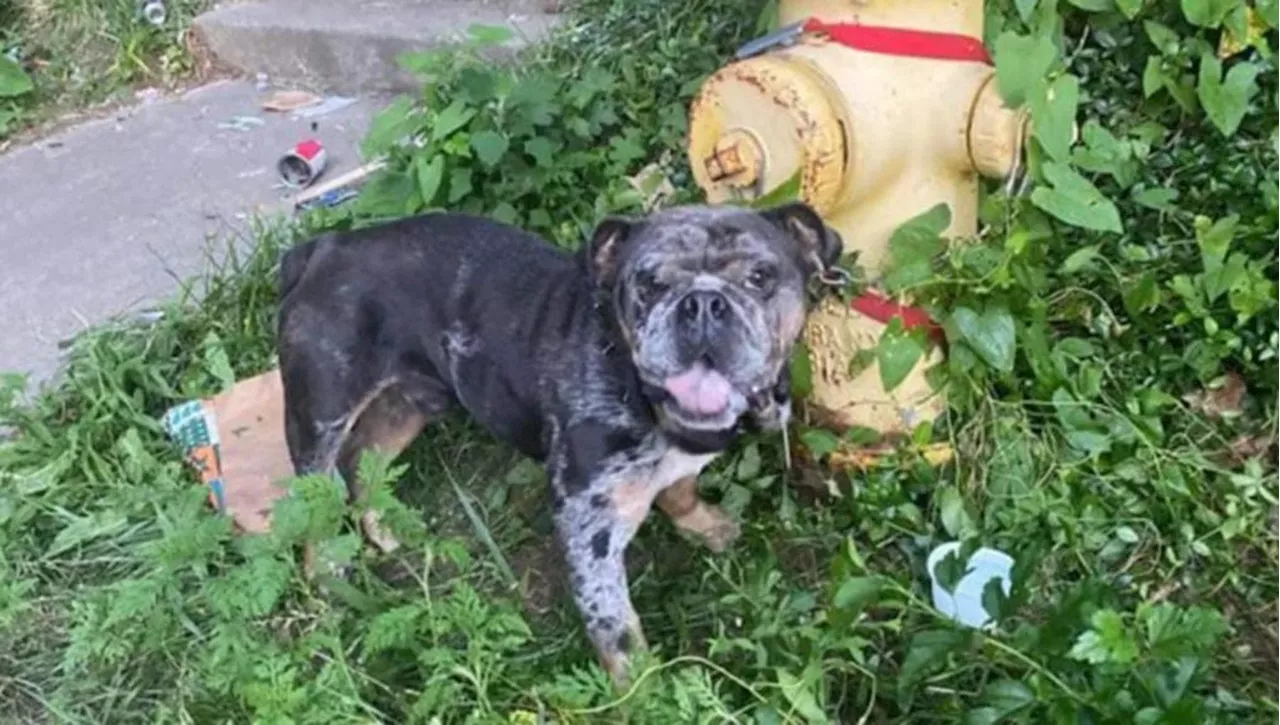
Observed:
{"x":626,"y":368}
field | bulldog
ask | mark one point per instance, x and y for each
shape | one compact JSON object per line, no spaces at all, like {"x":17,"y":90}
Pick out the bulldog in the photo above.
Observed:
{"x":625,"y":368}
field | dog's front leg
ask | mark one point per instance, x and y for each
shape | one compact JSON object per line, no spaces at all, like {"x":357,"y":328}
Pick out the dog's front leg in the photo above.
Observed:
{"x":595,"y":525}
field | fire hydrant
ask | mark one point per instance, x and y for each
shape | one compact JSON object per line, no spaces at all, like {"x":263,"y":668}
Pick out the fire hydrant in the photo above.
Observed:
{"x":883,"y":108}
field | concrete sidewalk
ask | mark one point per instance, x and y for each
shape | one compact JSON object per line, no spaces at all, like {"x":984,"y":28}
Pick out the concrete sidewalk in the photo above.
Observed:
{"x":108,"y":216}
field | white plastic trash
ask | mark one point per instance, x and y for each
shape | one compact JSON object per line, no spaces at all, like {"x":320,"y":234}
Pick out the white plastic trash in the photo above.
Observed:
{"x":964,"y":605}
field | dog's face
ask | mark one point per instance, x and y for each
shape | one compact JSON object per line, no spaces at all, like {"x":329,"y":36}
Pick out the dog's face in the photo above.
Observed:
{"x":711,"y":301}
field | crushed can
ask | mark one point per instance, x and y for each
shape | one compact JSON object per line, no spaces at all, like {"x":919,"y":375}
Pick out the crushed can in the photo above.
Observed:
{"x":153,"y":11}
{"x":303,"y":164}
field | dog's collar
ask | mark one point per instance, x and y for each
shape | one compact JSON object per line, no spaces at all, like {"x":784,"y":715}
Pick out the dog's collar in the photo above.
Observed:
{"x":701,"y":442}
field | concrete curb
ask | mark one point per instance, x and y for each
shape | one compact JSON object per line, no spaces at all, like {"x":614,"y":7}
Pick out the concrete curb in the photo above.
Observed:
{"x":352,"y":46}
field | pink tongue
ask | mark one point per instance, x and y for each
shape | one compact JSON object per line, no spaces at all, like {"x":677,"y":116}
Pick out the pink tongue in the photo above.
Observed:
{"x":699,"y":390}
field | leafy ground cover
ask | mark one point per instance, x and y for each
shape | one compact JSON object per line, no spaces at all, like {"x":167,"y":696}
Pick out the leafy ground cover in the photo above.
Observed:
{"x":1112,"y":380}
{"x":62,"y":55}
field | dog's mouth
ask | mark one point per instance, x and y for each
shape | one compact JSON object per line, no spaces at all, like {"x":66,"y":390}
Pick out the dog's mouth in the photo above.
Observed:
{"x":700,"y":390}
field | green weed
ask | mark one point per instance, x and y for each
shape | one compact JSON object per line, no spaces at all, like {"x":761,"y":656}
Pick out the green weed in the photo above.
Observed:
{"x":63,"y":55}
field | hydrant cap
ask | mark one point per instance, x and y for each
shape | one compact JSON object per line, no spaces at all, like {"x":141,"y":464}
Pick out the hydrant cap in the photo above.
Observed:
{"x":756,"y":123}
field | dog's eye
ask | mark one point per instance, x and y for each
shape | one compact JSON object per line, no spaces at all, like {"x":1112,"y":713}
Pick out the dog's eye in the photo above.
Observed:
{"x":762,"y":278}
{"x":646,"y":284}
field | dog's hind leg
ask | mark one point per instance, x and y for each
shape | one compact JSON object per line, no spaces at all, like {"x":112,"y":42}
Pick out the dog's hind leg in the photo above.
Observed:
{"x":389,"y":422}
{"x":711,"y":524}
{"x":328,"y":424}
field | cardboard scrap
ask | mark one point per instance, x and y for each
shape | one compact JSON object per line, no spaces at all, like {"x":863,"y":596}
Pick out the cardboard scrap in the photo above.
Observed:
{"x":284,"y":101}
{"x":236,"y":441}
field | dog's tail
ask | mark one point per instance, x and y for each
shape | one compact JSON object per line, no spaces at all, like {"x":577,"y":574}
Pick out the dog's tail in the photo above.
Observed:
{"x":293,"y":264}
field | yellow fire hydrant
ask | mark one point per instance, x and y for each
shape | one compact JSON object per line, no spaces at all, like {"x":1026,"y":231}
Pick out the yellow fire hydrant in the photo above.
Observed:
{"x":883,"y":109}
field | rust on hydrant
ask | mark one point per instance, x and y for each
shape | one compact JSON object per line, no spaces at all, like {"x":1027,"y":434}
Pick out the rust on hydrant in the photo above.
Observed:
{"x":876,"y":138}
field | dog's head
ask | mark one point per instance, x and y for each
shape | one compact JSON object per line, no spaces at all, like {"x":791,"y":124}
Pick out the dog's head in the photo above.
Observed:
{"x":710,"y":301}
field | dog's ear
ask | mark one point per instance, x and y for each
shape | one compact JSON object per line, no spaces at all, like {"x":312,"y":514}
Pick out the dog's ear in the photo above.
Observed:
{"x":820,"y":245}
{"x":604,"y":250}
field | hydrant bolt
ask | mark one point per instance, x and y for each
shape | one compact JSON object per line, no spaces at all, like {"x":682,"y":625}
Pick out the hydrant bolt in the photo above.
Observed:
{"x":734,"y":160}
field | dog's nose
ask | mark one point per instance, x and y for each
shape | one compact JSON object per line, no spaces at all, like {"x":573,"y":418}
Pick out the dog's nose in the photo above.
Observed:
{"x":703,"y":306}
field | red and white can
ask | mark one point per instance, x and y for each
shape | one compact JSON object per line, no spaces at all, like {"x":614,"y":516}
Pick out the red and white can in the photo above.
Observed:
{"x":303,"y":164}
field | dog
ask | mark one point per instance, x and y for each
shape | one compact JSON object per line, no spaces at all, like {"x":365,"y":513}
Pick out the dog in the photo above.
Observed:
{"x":625,"y":368}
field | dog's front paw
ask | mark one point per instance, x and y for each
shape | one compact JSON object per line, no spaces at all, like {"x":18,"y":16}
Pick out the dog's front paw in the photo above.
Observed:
{"x":712,"y":525}
{"x":620,"y":655}
{"x":377,"y":533}
{"x":724,"y":530}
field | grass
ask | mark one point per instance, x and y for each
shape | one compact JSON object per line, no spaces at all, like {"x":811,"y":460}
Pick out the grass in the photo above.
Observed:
{"x":83,"y":53}
{"x":1123,"y":450}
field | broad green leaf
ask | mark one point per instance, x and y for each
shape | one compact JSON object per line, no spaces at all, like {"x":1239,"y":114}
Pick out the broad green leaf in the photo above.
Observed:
{"x":384,"y":197}
{"x":1103,"y":153}
{"x":955,"y":519}
{"x":1225,"y":101}
{"x":217,"y":362}
{"x":801,"y":372}
{"x":1173,"y":631}
{"x":749,"y":464}
{"x":1162,"y":37}
{"x":1011,"y":469}
{"x":897,"y":354}
{"x":1093,"y":6}
{"x":490,"y":146}
{"x":821,"y":443}
{"x":799,"y":694}
{"x":994,"y":599}
{"x":490,"y":34}
{"x":1022,"y":62}
{"x":951,"y":569}
{"x":1143,"y":295}
{"x":1270,"y":12}
{"x":388,"y":128}
{"x":1183,"y":90}
{"x":505,"y":213}
{"x":453,"y":117}
{"x":14,"y":81}
{"x":1214,"y":239}
{"x":1207,"y":13}
{"x":1025,"y":9}
{"x":1083,"y":432}
{"x":1076,"y":201}
{"x":787,"y":191}
{"x":1153,"y":77}
{"x":542,"y":151}
{"x":1053,"y":115}
{"x":429,"y":174}
{"x":1109,"y":640}
{"x":1159,"y":198}
{"x":856,"y":593}
{"x":1007,"y":696}
{"x":1129,"y":8}
{"x":767,"y":19}
{"x":992,"y":335}
{"x":927,"y":653}
{"x":459,"y":184}
{"x":1080,"y":259}
{"x":981,"y":716}
{"x":83,"y":529}
{"x":913,"y":247}
{"x":1240,"y":29}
